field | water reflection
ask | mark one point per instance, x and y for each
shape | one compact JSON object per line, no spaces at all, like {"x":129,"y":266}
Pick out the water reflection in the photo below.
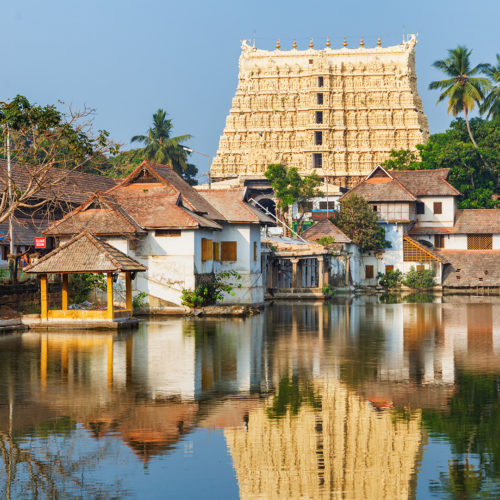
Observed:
{"x":349,"y":399}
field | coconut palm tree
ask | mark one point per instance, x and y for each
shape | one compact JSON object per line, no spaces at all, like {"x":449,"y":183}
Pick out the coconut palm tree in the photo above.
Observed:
{"x":491,"y":103}
{"x":463,"y":90}
{"x":160,"y":147}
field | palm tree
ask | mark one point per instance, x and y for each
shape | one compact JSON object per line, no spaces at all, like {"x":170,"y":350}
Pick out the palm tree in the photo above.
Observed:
{"x":160,"y":147}
{"x":463,"y":90}
{"x":491,"y":103}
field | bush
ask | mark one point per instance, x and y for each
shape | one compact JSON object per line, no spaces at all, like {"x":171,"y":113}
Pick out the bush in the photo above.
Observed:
{"x":81,"y":284}
{"x":328,"y":290}
{"x":208,"y":294}
{"x":391,"y":279}
{"x":423,"y":278}
{"x":326,"y":240}
{"x":139,"y":301}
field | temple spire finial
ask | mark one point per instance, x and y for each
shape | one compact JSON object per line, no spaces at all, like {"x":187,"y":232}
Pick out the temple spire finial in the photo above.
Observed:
{"x":311,"y":44}
{"x":328,"y":44}
{"x":278,"y":44}
{"x":362,"y":42}
{"x":379,"y":42}
{"x":294,"y":44}
{"x":345,"y":43}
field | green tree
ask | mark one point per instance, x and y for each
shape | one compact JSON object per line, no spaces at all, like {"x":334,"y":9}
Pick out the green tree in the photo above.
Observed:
{"x":50,"y":145}
{"x":452,"y":149}
{"x":359,"y":222}
{"x":462,"y":89}
{"x":290,"y":188}
{"x":491,"y":103}
{"x":160,"y":148}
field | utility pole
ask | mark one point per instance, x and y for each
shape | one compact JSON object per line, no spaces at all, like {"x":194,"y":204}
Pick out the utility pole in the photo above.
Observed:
{"x":191,"y":150}
{"x":9,"y":180}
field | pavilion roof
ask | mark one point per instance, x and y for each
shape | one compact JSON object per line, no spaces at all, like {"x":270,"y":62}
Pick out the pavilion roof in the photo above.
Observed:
{"x":84,"y":254}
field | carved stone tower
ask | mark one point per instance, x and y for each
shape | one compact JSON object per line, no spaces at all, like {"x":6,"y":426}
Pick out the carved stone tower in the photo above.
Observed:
{"x":338,"y":112}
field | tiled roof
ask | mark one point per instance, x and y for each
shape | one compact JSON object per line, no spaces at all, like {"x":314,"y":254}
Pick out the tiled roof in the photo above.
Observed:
{"x":292,"y":247}
{"x":231,"y":204}
{"x":99,"y":215}
{"x":325,"y":227}
{"x":84,"y":253}
{"x":471,"y":268}
{"x":415,"y":231}
{"x":74,"y":187}
{"x":381,"y":189}
{"x":477,"y":221}
{"x":25,"y":231}
{"x":425,"y":182}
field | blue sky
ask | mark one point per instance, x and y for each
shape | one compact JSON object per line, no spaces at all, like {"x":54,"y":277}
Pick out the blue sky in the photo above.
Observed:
{"x":128,"y":58}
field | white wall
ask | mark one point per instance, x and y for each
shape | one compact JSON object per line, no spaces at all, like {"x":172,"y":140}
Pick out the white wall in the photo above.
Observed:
{"x":428,"y":218}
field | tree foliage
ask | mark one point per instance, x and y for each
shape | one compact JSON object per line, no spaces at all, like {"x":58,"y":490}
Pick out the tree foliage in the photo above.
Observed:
{"x":452,"y":149}
{"x":290,"y":188}
{"x":491,"y":103}
{"x":359,"y":222}
{"x":49,"y":144}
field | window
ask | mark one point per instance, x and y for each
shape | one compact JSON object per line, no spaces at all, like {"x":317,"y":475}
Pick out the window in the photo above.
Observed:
{"x":439,"y":241}
{"x":420,"y":268}
{"x":255,"y":251}
{"x":319,"y":116}
{"x":420,"y":208}
{"x":175,"y":233}
{"x":318,"y":138}
{"x":306,"y":206}
{"x":375,"y":208}
{"x":369,"y":272}
{"x":317,"y":160}
{"x":216,"y":250}
{"x":326,"y":205}
{"x":438,"y":207}
{"x":206,"y":249}
{"x":228,"y":251}
{"x":321,"y":81}
{"x":479,"y":242}
{"x":319,"y":98}
{"x":389,"y":268}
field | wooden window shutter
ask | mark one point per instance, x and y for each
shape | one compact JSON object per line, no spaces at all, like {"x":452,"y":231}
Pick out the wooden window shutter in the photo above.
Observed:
{"x":228,"y":251}
{"x":206,"y":249}
{"x":438,"y":207}
{"x":216,"y":252}
{"x":369,"y":274}
{"x":479,"y":242}
{"x":389,"y":268}
{"x":420,"y":268}
{"x":255,"y":251}
{"x":439,"y":241}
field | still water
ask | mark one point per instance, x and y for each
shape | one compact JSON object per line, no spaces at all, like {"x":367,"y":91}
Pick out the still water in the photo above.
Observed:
{"x":356,"y":399}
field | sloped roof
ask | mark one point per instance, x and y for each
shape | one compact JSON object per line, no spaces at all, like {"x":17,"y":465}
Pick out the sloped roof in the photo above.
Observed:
{"x":74,"y":187}
{"x":84,"y":253}
{"x":107,"y":218}
{"x":325,"y":227}
{"x":25,"y":231}
{"x":477,"y":221}
{"x":471,"y":268}
{"x":426,"y":182}
{"x":430,"y":230}
{"x":231,"y":204}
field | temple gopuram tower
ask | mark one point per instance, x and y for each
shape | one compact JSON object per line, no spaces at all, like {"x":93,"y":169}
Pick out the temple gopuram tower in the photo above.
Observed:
{"x":338,"y":112}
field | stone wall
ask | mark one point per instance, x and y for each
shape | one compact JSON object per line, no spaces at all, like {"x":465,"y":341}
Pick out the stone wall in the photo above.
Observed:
{"x":367,"y":96}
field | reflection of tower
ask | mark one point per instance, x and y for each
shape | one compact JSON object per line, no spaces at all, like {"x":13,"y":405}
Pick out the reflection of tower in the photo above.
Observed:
{"x":346,"y":448}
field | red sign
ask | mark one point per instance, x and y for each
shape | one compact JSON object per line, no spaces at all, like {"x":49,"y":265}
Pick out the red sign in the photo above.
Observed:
{"x":40,"y":242}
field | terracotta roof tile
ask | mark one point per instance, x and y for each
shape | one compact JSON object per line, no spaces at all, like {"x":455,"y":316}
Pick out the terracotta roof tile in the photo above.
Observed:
{"x":84,"y":253}
{"x":471,"y":268}
{"x":375,"y":190}
{"x":325,"y":227}
{"x":430,"y":230}
{"x":232,"y":205}
{"x":75,"y":187}
{"x":477,"y":221}
{"x":426,"y":182}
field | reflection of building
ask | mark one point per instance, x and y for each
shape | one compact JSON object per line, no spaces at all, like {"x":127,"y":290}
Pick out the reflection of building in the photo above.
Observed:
{"x":347,"y":448}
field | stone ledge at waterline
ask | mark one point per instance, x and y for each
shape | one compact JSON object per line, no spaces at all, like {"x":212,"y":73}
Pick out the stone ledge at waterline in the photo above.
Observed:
{"x":34,"y":322}
{"x":219,"y":310}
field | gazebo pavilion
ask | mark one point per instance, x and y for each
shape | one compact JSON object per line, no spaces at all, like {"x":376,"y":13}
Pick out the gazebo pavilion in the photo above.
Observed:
{"x":85,"y":253}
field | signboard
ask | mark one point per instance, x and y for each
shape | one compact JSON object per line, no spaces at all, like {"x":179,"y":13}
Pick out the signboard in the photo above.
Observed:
{"x":40,"y":242}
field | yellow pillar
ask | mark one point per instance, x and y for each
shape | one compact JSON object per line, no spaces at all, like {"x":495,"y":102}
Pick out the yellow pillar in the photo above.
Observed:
{"x":110,"y":360}
{"x":64,"y":292}
{"x":321,"y":272}
{"x":43,"y":294}
{"x":109,"y":314}
{"x":43,"y":361}
{"x":128,"y":290}
{"x":294,"y":272}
